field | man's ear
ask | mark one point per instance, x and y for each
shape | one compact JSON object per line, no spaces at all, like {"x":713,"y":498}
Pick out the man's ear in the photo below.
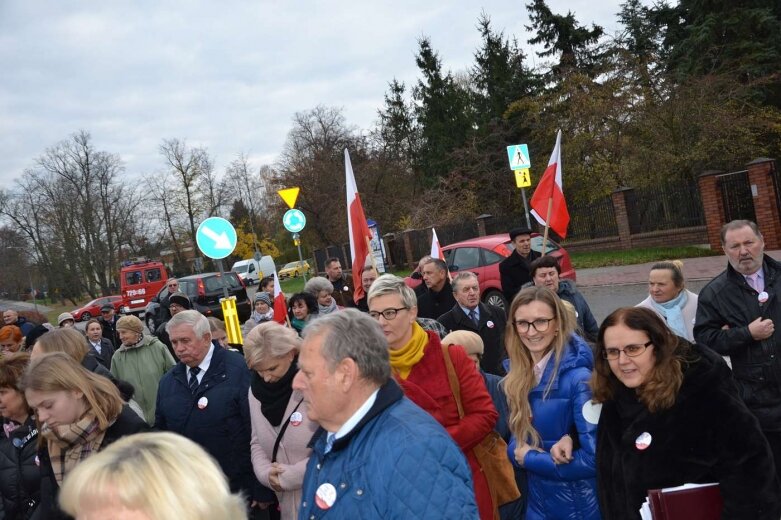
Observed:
{"x":347,"y":374}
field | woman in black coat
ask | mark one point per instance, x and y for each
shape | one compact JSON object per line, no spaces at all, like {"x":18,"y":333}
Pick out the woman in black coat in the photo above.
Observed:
{"x":79,"y":413}
{"x":672,"y":415}
{"x":20,"y":477}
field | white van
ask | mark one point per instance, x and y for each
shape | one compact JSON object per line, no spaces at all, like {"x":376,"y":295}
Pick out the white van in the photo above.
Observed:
{"x":251,"y":271}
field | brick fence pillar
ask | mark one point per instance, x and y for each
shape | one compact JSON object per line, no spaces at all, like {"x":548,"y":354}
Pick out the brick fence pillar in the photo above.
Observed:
{"x":481,"y":224}
{"x":760,"y":176}
{"x":618,"y":198}
{"x":712,"y":206}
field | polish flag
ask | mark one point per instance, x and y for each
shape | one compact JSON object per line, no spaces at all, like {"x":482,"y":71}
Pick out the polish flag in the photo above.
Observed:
{"x":436,"y":251}
{"x":548,"y":200}
{"x":360,"y":236}
{"x":280,"y":305}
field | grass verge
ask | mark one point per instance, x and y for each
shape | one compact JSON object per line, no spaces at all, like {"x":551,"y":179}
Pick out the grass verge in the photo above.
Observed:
{"x":588,"y":259}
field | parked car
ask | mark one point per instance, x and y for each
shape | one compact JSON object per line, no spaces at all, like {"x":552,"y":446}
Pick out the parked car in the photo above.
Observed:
{"x":482,"y":256}
{"x":204,"y":291}
{"x":92,"y":309}
{"x":294,"y":269}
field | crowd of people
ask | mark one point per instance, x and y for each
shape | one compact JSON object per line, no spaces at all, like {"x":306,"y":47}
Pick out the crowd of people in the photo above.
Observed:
{"x":394,"y":402}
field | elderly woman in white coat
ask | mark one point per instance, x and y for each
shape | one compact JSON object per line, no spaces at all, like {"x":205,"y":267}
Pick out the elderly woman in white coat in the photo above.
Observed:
{"x":281,"y":429}
{"x":668,"y":298}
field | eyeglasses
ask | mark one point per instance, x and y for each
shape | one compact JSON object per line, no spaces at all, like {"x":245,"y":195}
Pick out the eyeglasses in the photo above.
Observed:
{"x":173,"y":285}
{"x":388,"y":314}
{"x":540,"y":325}
{"x":629,"y":350}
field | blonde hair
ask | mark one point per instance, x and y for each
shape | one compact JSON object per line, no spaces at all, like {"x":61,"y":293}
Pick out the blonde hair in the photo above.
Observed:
{"x":147,"y":472}
{"x":269,"y":340}
{"x":67,"y":340}
{"x":58,"y":372}
{"x":520,"y":379}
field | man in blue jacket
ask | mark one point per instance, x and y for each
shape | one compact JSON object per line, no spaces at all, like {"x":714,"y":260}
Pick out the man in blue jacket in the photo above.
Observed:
{"x":376,"y":454}
{"x":204,"y":397}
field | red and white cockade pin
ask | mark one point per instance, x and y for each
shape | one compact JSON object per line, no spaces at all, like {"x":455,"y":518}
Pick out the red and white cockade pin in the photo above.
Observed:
{"x":643,"y":441}
{"x":762,"y":297}
{"x":296,"y":418}
{"x":325,"y":496}
{"x":203,"y":403}
{"x":489,"y":324}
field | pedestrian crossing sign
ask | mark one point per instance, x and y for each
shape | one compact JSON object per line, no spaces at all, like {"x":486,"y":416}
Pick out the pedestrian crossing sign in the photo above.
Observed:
{"x":522,"y":178}
{"x":518,"y":154}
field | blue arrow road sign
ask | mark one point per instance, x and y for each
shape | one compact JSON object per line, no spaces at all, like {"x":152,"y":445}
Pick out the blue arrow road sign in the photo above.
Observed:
{"x":216,"y":238}
{"x":294,"y":220}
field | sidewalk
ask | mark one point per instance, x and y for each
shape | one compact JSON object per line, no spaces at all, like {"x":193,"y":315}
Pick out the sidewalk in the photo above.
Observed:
{"x":702,"y":268}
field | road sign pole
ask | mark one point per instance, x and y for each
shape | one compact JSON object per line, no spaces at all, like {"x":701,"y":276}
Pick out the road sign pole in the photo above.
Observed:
{"x":526,"y":208}
{"x":301,"y":259}
{"x":222,"y":278}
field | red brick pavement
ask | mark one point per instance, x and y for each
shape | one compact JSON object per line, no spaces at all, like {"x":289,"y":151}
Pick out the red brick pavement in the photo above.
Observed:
{"x":702,"y":268}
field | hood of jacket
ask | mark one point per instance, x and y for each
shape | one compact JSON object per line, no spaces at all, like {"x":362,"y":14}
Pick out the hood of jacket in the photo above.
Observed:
{"x":576,"y":354}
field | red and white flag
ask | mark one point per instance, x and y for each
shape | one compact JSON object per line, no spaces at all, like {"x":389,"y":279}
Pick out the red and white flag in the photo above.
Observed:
{"x":280,"y":305}
{"x":360,"y":236}
{"x":436,"y":250}
{"x":550,"y":190}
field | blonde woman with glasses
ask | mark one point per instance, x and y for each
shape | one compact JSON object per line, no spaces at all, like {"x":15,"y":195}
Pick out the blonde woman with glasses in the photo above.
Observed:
{"x":551,"y":417}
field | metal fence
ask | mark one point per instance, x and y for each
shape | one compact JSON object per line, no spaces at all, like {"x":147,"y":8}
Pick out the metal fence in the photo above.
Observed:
{"x":593,"y":220}
{"x":663,"y":207}
{"x":736,"y":196}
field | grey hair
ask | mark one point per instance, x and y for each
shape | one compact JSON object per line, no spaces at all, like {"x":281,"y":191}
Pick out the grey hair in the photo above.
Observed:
{"x":392,"y":284}
{"x":463,"y":275}
{"x":317,"y":284}
{"x":191,"y":318}
{"x":269,"y":340}
{"x":352,"y":334}
{"x":441,"y":265}
{"x":738,"y":224}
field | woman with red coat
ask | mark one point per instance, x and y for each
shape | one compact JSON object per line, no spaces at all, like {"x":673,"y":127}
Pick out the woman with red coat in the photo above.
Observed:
{"x":418,"y":365}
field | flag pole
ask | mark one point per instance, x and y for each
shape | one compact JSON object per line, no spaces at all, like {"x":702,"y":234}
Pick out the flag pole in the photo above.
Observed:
{"x":547,"y":226}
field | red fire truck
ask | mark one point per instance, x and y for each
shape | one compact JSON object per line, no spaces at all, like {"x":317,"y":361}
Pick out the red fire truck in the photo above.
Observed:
{"x":140,"y":281}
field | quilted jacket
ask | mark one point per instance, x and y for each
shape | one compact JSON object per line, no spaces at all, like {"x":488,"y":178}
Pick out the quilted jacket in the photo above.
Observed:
{"x":397,"y":462}
{"x":564,"y":491}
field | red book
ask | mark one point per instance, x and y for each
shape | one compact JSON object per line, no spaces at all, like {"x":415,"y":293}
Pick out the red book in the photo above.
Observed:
{"x":687,"y":502}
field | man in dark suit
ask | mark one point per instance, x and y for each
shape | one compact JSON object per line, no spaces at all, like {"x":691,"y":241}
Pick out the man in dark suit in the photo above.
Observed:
{"x":438,"y":296}
{"x":514,"y":269}
{"x":472,"y":315}
{"x":108,"y":322}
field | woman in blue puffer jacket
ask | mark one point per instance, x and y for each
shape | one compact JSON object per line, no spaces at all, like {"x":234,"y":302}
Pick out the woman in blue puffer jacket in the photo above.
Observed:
{"x":550,"y":407}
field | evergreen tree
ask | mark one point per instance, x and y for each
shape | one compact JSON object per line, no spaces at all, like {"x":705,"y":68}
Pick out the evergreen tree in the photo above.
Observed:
{"x":442,"y":111}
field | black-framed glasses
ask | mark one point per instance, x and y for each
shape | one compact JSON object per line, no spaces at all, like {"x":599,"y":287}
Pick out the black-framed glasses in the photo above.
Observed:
{"x":388,"y":314}
{"x":629,"y":350}
{"x":540,"y":324}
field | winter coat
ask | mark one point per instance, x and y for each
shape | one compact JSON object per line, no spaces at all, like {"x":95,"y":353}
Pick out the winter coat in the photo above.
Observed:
{"x":433,"y":304}
{"x":20,"y":476}
{"x":586,"y":321}
{"x":143,"y":367}
{"x":221,"y":424}
{"x":756,"y":365}
{"x":293,"y":452}
{"x":25,"y":325}
{"x":110,"y":331}
{"x":127,"y":423}
{"x":707,"y":436}
{"x":397,"y":463}
{"x":492,"y":322}
{"x":106,"y":352}
{"x":427,"y":385}
{"x":689,"y":312}
{"x":514,"y":272}
{"x":515,"y":510}
{"x":343,"y":291}
{"x":559,"y":491}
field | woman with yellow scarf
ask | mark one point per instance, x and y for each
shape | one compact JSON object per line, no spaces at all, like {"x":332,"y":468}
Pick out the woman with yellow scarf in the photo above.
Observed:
{"x":418,"y":365}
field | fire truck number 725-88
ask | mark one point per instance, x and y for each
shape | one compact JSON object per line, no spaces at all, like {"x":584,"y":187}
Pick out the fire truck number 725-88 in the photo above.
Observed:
{"x":136,"y":292}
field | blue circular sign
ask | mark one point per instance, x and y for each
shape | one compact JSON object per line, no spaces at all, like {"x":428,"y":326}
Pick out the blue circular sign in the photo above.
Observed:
{"x":294,"y":220}
{"x":216,"y":237}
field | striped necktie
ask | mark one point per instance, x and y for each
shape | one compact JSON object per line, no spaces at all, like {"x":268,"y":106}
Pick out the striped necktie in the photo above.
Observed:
{"x":193,"y":383}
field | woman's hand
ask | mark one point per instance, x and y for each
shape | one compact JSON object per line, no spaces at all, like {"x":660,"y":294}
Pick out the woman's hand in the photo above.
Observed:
{"x":561,"y":452}
{"x":521,"y":449}
{"x":273,"y":476}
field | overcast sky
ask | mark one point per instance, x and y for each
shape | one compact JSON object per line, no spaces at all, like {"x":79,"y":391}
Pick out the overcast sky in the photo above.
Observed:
{"x":226,"y":75}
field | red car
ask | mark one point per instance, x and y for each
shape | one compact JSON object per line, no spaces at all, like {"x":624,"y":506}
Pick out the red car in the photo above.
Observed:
{"x":482,"y":256}
{"x":92,"y":309}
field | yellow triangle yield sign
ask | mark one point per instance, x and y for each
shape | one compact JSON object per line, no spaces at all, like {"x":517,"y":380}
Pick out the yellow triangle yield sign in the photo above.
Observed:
{"x":289,"y":195}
